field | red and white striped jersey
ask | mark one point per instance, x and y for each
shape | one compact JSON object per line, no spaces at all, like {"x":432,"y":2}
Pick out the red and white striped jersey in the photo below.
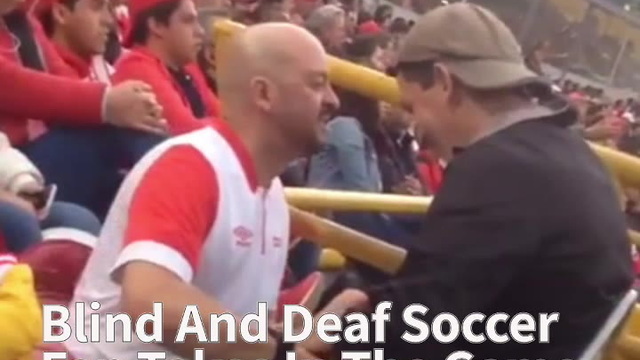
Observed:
{"x":193,"y":206}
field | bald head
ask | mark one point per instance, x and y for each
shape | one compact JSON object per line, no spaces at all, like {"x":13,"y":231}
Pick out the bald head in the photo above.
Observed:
{"x":269,"y":50}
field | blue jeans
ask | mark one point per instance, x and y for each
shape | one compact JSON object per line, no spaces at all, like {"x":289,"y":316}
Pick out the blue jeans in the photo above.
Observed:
{"x":20,"y":229}
{"x":85,"y":163}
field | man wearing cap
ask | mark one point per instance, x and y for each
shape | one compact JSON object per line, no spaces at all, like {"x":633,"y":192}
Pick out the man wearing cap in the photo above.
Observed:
{"x":165,"y":37}
{"x":526,"y":220}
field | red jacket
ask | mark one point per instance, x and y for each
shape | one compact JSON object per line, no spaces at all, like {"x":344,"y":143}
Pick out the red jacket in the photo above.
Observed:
{"x":430,"y":171}
{"x":28,"y":94}
{"x":141,"y":64}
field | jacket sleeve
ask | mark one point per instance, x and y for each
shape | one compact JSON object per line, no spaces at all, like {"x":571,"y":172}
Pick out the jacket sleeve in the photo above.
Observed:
{"x":176,"y":111}
{"x":50,"y":98}
{"x":17,"y":172}
{"x":20,"y":315}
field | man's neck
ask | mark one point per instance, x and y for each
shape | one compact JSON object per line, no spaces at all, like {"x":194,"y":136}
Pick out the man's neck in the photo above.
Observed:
{"x":59,"y":39}
{"x":157,"y":49}
{"x":269,"y":157}
{"x":483,"y":120}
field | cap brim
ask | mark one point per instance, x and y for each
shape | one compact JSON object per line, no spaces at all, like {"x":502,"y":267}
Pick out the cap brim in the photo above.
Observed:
{"x":488,"y":74}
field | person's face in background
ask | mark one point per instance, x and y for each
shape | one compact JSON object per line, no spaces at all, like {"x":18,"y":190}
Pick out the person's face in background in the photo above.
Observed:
{"x":303,"y":8}
{"x":210,"y":11}
{"x":394,"y":119}
{"x":241,"y":10}
{"x":389,"y":53}
{"x":85,"y":27}
{"x":269,"y":12}
{"x":379,"y":59}
{"x":183,"y":37}
{"x":335,"y":35}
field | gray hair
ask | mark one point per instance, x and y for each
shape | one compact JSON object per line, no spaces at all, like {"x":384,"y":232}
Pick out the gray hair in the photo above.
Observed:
{"x":322,"y":18}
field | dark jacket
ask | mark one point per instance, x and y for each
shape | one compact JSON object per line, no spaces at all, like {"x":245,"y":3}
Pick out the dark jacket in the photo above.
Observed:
{"x":527,"y":220}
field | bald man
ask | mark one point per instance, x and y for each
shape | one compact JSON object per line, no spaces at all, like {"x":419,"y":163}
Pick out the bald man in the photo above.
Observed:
{"x":202,"y":219}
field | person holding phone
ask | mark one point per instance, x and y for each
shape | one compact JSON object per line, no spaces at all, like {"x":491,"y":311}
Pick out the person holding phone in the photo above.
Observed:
{"x":28,"y":206}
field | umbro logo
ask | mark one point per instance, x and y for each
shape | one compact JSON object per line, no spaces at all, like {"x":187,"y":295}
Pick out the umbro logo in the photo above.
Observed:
{"x":243,"y":236}
{"x":277,"y":241}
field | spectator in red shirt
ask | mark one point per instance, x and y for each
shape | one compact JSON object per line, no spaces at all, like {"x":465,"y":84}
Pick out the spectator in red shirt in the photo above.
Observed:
{"x":53,"y":120}
{"x":165,"y":38}
{"x":79,"y":30}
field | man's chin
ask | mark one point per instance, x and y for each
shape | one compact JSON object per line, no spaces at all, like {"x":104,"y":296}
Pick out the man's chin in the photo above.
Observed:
{"x":315,"y":146}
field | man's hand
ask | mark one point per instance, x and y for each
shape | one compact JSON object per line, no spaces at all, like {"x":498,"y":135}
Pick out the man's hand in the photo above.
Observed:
{"x":18,"y":201}
{"x":132,"y":104}
{"x":602,"y":130}
{"x":410,"y":186}
{"x":348,"y":301}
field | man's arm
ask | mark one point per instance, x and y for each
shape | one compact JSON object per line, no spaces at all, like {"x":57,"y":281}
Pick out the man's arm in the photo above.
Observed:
{"x":37,"y":95}
{"x":177,"y":113}
{"x":477,"y":237}
{"x":169,"y":219}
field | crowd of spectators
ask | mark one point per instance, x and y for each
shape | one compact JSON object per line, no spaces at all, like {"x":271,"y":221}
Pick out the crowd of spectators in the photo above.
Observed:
{"x":89,"y":86}
{"x":372,"y":146}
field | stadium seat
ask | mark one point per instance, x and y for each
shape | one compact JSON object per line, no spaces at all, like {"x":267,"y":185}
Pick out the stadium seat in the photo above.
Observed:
{"x":306,"y":293}
{"x":611,"y":327}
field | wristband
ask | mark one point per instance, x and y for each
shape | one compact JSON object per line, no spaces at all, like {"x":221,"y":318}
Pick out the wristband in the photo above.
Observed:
{"x":282,"y":348}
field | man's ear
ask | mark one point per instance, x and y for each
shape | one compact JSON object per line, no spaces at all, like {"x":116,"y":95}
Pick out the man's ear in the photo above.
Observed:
{"x":155,"y":28}
{"x":262,"y":93}
{"x":445,"y":81}
{"x":60,"y":13}
{"x":442,"y":78}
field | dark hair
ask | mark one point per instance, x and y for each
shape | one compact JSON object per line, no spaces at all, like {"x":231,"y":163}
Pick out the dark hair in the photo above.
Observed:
{"x":382,"y":13}
{"x":360,"y":107}
{"x":46,"y":17}
{"x":399,"y":26}
{"x":266,"y":11}
{"x":367,"y":112}
{"x":363,"y":17}
{"x":361,"y":46}
{"x":421,"y":72}
{"x":160,"y":13}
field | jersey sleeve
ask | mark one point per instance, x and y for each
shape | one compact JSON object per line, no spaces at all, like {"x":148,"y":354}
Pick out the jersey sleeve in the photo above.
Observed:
{"x":171,"y":212}
{"x":174,"y":108}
